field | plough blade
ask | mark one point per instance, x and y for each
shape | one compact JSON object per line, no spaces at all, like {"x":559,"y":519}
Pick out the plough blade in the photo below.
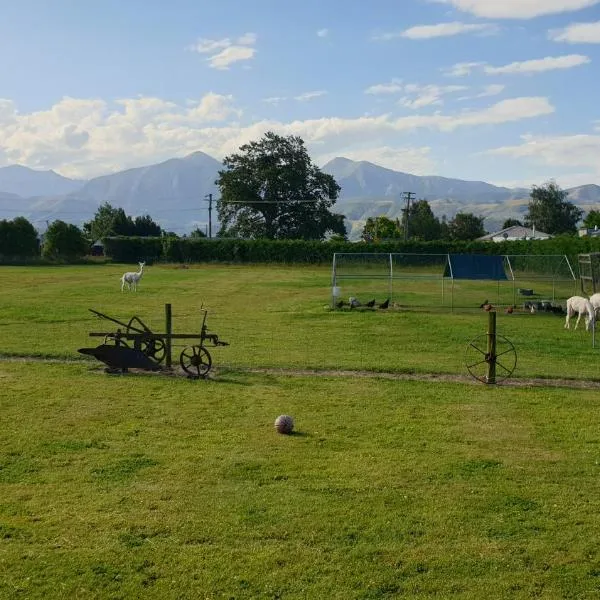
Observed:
{"x":121,"y":357}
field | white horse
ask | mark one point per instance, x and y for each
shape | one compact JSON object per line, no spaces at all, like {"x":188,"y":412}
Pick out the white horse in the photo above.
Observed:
{"x":595,"y":300}
{"x":131,"y":278}
{"x":581,"y":306}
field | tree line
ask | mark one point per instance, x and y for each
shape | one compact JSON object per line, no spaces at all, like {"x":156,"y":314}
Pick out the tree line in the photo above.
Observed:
{"x":270,"y":189}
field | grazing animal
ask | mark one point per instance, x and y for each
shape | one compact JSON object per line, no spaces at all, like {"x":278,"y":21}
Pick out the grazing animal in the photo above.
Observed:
{"x":595,"y":300}
{"x":581,"y":306}
{"x":131,"y":278}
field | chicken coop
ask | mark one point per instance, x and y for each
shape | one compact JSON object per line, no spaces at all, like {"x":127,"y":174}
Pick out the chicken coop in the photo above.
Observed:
{"x":450,"y":281}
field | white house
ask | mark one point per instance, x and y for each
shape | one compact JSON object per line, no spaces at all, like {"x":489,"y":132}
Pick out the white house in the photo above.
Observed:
{"x":514,"y":233}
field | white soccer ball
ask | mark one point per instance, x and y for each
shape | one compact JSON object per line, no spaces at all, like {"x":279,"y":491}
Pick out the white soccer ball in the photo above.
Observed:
{"x":284,"y":424}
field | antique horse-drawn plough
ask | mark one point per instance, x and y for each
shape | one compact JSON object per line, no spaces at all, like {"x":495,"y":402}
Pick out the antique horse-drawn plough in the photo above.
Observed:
{"x":135,"y":346}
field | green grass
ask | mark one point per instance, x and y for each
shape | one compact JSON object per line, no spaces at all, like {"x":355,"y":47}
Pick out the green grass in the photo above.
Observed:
{"x":277,"y":316}
{"x":154,"y":486}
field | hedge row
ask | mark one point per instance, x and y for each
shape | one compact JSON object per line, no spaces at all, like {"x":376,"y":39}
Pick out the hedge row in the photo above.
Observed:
{"x":183,"y":250}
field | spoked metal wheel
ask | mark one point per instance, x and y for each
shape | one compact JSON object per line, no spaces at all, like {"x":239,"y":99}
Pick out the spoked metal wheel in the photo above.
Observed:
{"x":195,"y":361}
{"x":488,"y":364}
{"x":154,"y":349}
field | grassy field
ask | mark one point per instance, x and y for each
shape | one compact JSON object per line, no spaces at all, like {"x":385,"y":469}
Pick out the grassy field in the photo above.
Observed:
{"x":155,"y":486}
{"x":275,"y":317}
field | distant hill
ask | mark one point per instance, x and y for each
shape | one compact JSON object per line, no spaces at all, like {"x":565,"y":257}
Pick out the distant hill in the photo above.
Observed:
{"x":369,"y":190}
{"x":26,"y":182}
{"x":173,"y":192}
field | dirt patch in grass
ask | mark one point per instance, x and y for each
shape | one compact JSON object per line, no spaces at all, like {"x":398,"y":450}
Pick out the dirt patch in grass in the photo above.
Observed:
{"x":292,"y":372}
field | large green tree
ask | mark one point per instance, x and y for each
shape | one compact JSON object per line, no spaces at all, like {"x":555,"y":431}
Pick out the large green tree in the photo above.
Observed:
{"x":422,"y":223}
{"x":271,"y":189}
{"x":110,"y":221}
{"x":550,"y":211}
{"x":64,"y":241}
{"x":18,"y":238}
{"x":380,"y":228}
{"x":466,"y":226}
{"x":592,"y":219}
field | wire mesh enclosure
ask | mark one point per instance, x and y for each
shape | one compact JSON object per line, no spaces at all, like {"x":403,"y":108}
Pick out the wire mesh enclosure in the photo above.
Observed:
{"x":451,"y":281}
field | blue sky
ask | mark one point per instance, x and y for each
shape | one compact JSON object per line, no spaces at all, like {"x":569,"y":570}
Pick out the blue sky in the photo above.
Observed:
{"x":501,"y":91}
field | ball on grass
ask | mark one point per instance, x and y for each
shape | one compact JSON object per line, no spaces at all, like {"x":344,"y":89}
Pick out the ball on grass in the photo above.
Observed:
{"x":284,"y":424}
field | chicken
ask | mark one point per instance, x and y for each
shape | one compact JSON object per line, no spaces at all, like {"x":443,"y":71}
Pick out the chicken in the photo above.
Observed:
{"x":483,"y":304}
{"x":510,"y":310}
{"x":385,"y":304}
{"x":371,"y":303}
{"x":339,"y":304}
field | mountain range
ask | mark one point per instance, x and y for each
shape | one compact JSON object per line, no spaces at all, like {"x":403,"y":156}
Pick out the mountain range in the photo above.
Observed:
{"x":175,"y":194}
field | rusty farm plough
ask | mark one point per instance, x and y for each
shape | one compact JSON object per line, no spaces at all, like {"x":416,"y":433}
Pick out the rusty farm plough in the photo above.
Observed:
{"x":133,"y":345}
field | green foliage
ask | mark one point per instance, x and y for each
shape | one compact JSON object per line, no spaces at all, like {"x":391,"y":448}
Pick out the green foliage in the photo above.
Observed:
{"x":511,"y":223}
{"x":145,"y":227}
{"x":110,"y":221}
{"x":18,"y":239}
{"x":197,"y":233}
{"x":550,"y":212}
{"x":187,"y":249}
{"x":271,"y":189}
{"x":592,"y":219}
{"x":134,"y":249}
{"x":380,"y":228}
{"x":466,"y":226}
{"x":423,"y":224}
{"x":64,"y":241}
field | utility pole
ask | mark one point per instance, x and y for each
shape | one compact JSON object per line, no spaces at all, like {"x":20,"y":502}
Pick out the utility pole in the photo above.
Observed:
{"x":408,"y":196}
{"x":210,"y":199}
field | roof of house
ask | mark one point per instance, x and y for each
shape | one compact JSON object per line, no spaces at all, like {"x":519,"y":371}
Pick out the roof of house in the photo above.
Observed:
{"x":516,"y":232}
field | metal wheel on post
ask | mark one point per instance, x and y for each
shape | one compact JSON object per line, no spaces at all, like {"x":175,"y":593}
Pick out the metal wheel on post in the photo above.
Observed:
{"x":490,"y":358}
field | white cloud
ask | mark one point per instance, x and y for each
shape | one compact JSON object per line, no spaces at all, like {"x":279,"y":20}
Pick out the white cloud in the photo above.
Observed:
{"x":275,"y":100}
{"x":423,"y":32}
{"x":323,"y":33}
{"x":415,"y":160}
{"x":549,"y":63}
{"x":540,"y":65}
{"x":393,"y":87}
{"x":560,"y":152}
{"x":416,"y":95}
{"x":462,"y":69}
{"x":225,"y":52}
{"x":518,"y":9}
{"x":491,"y":90}
{"x":306,"y":96}
{"x":577,"y":33}
{"x":427,"y":95}
{"x":85,"y":138}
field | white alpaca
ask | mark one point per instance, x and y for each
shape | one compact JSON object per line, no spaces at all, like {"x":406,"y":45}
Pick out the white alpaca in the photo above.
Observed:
{"x":131,"y":278}
{"x":581,"y":306}
{"x":595,"y":301}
